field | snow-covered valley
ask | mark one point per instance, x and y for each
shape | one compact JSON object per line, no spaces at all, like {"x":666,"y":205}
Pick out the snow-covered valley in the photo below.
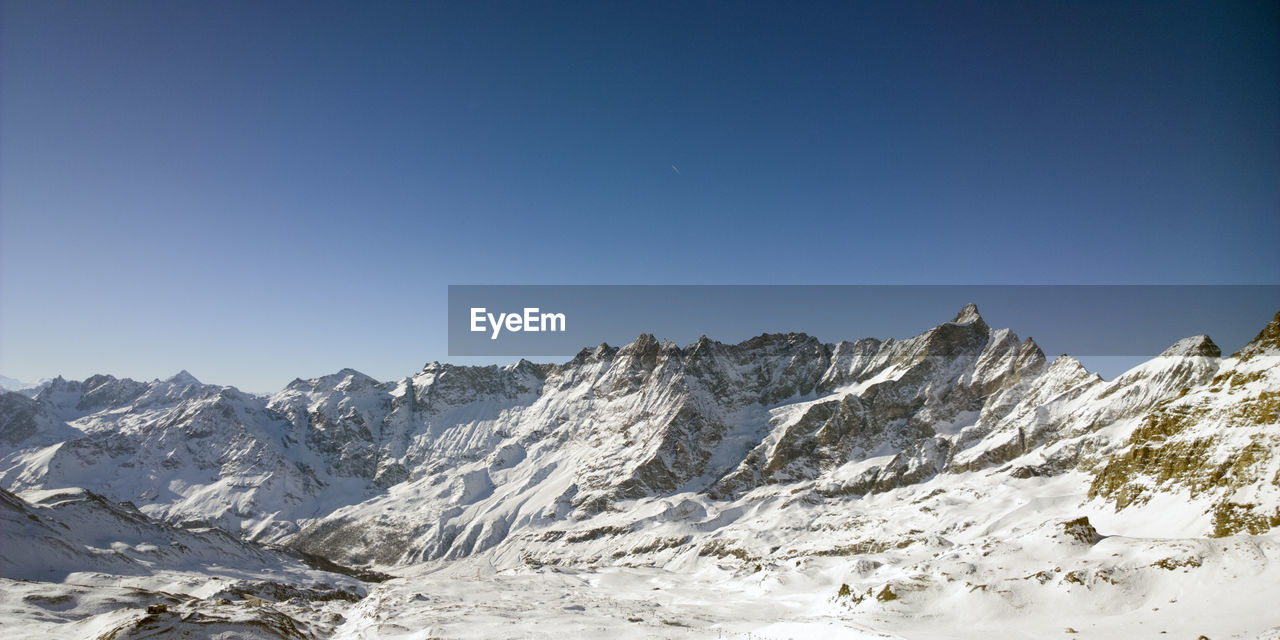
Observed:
{"x":955,"y":484}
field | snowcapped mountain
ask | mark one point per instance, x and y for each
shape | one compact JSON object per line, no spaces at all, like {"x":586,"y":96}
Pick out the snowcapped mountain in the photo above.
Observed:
{"x":896,"y":468}
{"x":25,"y":388}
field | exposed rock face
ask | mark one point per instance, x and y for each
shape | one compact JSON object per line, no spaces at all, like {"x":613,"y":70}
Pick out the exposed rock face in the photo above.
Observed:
{"x":1266,"y":343}
{"x":1216,"y":440}
{"x":456,"y":460}
{"x":918,"y":389}
{"x":18,"y":421}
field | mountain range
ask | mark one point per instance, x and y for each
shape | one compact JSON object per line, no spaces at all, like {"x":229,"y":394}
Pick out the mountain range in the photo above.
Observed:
{"x":882,"y":485}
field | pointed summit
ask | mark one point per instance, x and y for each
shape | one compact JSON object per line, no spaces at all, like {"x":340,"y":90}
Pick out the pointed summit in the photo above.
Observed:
{"x":968,"y":314}
{"x":645,"y":340}
{"x":1199,"y":345}
{"x":183,"y":377}
{"x":646,"y":343}
{"x":350,"y":378}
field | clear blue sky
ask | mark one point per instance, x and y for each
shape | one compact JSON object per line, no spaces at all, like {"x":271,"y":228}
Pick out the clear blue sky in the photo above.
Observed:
{"x":258,"y":191}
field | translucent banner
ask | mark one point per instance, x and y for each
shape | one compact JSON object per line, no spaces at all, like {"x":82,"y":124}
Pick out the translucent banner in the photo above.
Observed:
{"x":1082,"y":320}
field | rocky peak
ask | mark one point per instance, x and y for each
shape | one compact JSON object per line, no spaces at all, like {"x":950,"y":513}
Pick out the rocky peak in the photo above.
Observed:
{"x":104,"y":391}
{"x":967,"y":315}
{"x":183,"y":377}
{"x":955,"y":339}
{"x":527,"y":368}
{"x":1267,"y":340}
{"x":61,"y":385}
{"x":776,"y":340}
{"x":1194,"y":346}
{"x":644,"y":346}
{"x":1029,"y":347}
{"x":700,"y":349}
{"x":97,"y":380}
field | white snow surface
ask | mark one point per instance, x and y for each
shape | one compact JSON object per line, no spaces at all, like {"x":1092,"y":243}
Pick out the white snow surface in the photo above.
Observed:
{"x":951,"y":485}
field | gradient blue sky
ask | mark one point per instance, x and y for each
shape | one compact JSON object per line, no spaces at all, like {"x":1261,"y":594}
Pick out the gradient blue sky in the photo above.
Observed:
{"x":257,"y":191}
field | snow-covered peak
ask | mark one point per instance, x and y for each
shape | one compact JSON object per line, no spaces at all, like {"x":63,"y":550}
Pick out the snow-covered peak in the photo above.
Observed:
{"x":354,"y":379}
{"x":467,"y":457}
{"x":26,"y":388}
{"x":968,"y":314}
{"x":1194,"y":346}
{"x":924,"y":470}
{"x":345,"y":379}
{"x":183,"y":377}
{"x":1065,"y":365}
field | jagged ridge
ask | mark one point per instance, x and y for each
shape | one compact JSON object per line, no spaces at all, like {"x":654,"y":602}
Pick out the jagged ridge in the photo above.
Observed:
{"x":456,"y":460}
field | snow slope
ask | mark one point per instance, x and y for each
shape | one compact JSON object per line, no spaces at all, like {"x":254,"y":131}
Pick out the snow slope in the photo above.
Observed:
{"x":952,"y":482}
{"x":75,"y":564}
